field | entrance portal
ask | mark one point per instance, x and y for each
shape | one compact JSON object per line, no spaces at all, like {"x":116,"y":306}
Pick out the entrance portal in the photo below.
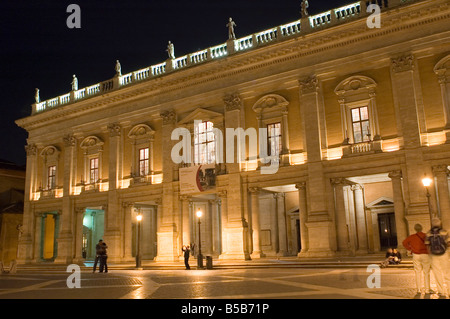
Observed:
{"x":93,"y":230}
{"x":388,"y":233}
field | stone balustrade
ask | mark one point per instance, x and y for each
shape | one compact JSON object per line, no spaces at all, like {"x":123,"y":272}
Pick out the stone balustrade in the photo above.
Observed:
{"x":319,"y":21}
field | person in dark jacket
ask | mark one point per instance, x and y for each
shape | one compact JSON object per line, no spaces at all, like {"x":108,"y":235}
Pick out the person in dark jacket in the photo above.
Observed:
{"x":186,"y":251}
{"x":98,"y":250}
{"x":103,"y":257}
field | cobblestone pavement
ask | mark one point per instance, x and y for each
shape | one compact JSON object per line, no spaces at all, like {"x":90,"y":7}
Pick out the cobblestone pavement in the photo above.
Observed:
{"x":292,"y":283}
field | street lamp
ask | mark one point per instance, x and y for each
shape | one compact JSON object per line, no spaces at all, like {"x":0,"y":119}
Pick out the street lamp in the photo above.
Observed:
{"x":138,"y":250}
{"x":200,"y":256}
{"x":426,"y":181}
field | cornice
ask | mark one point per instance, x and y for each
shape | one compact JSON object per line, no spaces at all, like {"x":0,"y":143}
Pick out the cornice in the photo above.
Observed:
{"x":296,"y":48}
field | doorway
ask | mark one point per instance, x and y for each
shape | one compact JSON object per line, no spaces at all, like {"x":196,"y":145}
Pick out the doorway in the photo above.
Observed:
{"x":93,"y":230}
{"x":388,"y":232}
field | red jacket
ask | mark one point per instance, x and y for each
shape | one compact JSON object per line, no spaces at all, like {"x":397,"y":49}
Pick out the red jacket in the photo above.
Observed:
{"x":416,"y":243}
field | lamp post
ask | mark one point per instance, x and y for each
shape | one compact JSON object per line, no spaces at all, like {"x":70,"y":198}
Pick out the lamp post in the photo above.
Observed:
{"x":426,"y":181}
{"x":138,"y":250}
{"x":200,"y":256}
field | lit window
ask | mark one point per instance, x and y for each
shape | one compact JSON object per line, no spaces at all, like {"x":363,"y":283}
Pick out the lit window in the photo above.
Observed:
{"x":144,"y":162}
{"x":51,"y":183}
{"x":93,"y":170}
{"x":274,"y":139}
{"x":360,"y":124}
{"x":204,"y":144}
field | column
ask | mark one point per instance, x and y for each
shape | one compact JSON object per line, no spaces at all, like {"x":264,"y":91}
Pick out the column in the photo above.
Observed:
{"x":223,"y":220}
{"x":168,"y":249}
{"x":410,"y":127}
{"x":319,"y":221}
{"x":25,"y":246}
{"x":444,"y":82}
{"x":185,"y":222}
{"x":282,"y":233}
{"x":215,"y":220}
{"x":114,"y":210}
{"x":360,"y":219}
{"x":79,"y":214}
{"x":399,"y":208}
{"x":127,"y":231}
{"x":65,"y":238}
{"x":274,"y":231}
{"x":255,"y":225}
{"x":303,"y":215}
{"x":441,"y":173}
{"x":343,"y":242}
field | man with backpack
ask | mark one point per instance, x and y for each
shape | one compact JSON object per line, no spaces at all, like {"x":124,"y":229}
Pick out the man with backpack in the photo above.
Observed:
{"x":437,"y":242}
{"x":421,"y":260}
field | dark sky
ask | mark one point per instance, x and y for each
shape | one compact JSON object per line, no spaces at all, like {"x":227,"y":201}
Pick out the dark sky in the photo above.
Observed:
{"x":38,"y":50}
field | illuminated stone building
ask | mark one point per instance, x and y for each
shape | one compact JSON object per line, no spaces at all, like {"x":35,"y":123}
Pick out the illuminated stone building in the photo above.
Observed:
{"x":359,"y":115}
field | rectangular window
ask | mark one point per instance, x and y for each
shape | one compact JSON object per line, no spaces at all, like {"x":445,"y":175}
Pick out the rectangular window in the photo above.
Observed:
{"x":360,"y":124}
{"x":274,"y":139}
{"x":51,"y":182}
{"x":144,"y":168}
{"x":93,"y":170}
{"x":204,"y":143}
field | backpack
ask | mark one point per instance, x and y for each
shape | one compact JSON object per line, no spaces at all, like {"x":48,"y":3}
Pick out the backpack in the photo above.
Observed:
{"x":438,"y":246}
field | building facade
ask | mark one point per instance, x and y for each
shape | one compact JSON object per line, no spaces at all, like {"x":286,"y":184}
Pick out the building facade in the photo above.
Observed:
{"x":355,"y":116}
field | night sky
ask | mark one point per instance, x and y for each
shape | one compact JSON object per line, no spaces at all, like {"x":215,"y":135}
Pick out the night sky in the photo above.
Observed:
{"x":38,"y":50}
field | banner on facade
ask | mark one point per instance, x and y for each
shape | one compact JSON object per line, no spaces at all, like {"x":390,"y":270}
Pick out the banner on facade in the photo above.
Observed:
{"x":196,"y":179}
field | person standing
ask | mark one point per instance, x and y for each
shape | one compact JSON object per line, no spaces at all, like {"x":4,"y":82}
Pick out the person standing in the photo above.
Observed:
{"x":415,"y":243}
{"x":98,"y":250}
{"x":187,"y":253}
{"x":103,"y":258}
{"x":437,"y":242}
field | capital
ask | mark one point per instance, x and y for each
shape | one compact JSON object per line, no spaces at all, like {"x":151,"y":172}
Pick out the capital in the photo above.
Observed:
{"x":254,"y":190}
{"x":114,"y":129}
{"x":31,"y":149}
{"x":169,"y":117}
{"x":403,"y":63}
{"x":309,"y":85}
{"x":395,"y":175}
{"x":232,"y":101}
{"x":339,"y":181}
{"x":440,"y":169}
{"x":301,"y":185}
{"x":69,"y":140}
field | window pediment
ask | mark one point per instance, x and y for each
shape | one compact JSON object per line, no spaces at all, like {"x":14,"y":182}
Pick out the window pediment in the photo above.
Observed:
{"x":141,"y":131}
{"x":91,"y":141}
{"x":50,"y":153}
{"x":270,"y":103}
{"x":356,"y":87}
{"x":203,"y":115}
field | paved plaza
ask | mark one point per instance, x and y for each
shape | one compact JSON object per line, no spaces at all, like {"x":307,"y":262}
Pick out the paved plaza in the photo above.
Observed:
{"x":246,"y":283}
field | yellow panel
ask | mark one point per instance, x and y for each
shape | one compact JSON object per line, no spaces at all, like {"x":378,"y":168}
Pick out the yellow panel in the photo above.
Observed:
{"x":49,"y":237}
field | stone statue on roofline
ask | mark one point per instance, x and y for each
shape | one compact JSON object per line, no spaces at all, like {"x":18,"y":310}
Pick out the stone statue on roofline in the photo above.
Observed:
{"x":305,"y":6}
{"x":170,"y":50}
{"x":118,"y":68}
{"x":36,"y":96}
{"x":74,"y":83}
{"x":230,"y":26}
